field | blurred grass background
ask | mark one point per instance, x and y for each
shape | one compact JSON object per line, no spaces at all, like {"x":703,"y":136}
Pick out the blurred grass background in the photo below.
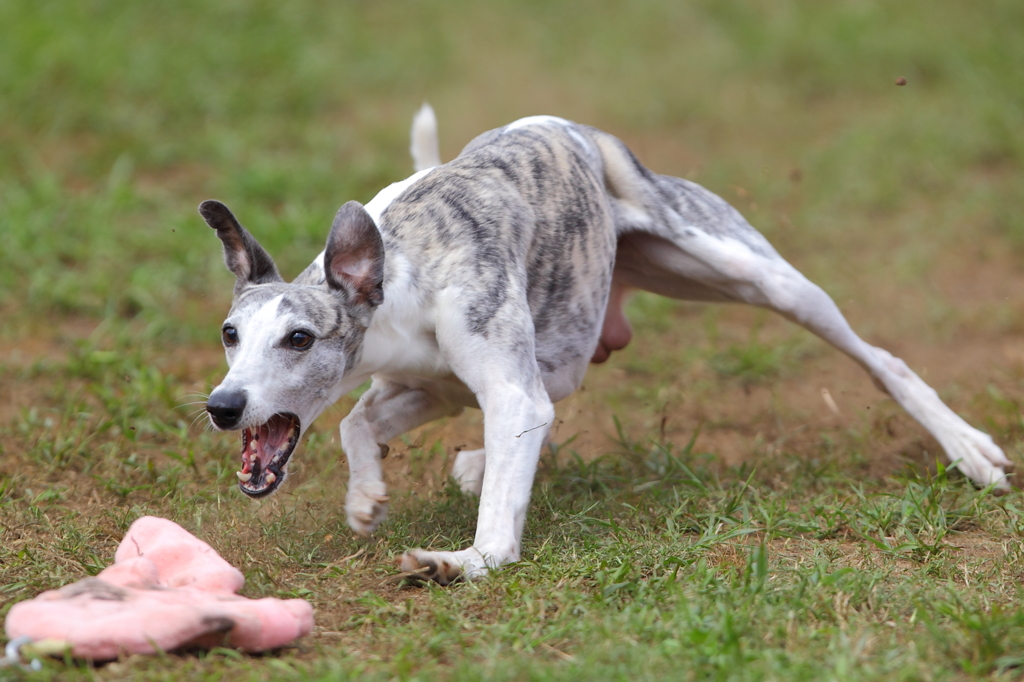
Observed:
{"x":116,"y":119}
{"x":905,"y":203}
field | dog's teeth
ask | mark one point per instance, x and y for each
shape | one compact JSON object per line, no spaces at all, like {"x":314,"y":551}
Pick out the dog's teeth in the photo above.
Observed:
{"x":244,"y":478}
{"x":270,"y":477}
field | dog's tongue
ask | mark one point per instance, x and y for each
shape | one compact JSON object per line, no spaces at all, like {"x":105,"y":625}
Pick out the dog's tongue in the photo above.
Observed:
{"x":261,"y":446}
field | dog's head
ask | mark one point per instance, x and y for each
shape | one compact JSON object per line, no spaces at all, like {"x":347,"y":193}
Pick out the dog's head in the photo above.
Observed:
{"x":289,"y":346}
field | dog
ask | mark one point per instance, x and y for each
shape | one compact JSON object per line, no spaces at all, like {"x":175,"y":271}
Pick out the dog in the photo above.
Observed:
{"x":492,"y":281}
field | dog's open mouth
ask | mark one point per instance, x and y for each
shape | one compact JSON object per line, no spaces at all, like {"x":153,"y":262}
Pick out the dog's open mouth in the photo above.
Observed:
{"x":265,"y":452}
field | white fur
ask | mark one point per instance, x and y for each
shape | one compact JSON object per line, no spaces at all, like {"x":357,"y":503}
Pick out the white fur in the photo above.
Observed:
{"x":384,"y":197}
{"x":536,"y":120}
{"x":425,"y":363}
{"x":403,"y":342}
{"x":260,"y":329}
{"x":423,"y":144}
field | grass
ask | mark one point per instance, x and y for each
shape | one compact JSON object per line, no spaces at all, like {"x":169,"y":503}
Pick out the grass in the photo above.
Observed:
{"x":703,"y":515}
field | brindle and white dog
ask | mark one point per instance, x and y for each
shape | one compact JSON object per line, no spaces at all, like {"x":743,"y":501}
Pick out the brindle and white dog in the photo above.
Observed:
{"x":492,"y":281}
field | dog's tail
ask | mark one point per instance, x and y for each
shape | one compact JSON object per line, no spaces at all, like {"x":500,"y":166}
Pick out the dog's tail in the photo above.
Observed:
{"x":423,"y":139}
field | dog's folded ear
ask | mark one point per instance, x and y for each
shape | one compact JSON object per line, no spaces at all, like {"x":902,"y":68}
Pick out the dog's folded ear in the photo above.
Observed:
{"x":354,"y":258}
{"x":242,"y":253}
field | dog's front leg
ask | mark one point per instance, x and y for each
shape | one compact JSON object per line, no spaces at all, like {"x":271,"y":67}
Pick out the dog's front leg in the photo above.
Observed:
{"x":516,"y":425}
{"x":386,"y":410}
{"x":516,"y":422}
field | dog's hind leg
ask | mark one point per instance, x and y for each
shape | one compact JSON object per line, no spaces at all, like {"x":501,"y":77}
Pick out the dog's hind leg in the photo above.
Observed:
{"x":680,"y":240}
{"x":468,"y":470}
{"x":385,"y":411}
{"x":698,"y":265}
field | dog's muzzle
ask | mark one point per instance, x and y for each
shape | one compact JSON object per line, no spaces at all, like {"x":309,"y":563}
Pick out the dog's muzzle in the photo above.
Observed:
{"x":266,"y":448}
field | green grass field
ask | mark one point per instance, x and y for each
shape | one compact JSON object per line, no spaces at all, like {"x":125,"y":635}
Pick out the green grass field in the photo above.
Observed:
{"x":704,"y":515}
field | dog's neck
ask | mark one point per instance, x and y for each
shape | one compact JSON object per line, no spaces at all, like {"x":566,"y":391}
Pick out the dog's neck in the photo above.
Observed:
{"x":400,"y":337}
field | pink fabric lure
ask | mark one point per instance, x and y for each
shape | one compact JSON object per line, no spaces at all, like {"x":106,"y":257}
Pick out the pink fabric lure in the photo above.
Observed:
{"x":166,"y":590}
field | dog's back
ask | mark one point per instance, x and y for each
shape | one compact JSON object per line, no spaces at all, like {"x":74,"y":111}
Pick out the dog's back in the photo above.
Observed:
{"x":542,"y":206}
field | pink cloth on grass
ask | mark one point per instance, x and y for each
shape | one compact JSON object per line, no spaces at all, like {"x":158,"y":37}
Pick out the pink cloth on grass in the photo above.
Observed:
{"x":165,"y":590}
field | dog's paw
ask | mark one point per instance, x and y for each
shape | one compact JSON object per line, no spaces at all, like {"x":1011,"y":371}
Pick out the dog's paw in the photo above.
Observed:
{"x":443,"y":567}
{"x":468,"y":470}
{"x":366,"y":505}
{"x":979,"y":458}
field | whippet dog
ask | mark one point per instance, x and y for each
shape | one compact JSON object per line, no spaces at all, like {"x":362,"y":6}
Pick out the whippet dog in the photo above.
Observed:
{"x":492,"y":281}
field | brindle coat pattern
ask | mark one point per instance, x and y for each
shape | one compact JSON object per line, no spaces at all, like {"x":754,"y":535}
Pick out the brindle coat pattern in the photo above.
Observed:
{"x":501,"y":272}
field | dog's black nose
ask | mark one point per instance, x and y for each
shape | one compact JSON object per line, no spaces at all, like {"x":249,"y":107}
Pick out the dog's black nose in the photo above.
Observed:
{"x":226,"y":408}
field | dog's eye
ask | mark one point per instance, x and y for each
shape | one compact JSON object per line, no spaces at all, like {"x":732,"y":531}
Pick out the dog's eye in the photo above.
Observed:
{"x":229,"y":335}
{"x":300,"y":340}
